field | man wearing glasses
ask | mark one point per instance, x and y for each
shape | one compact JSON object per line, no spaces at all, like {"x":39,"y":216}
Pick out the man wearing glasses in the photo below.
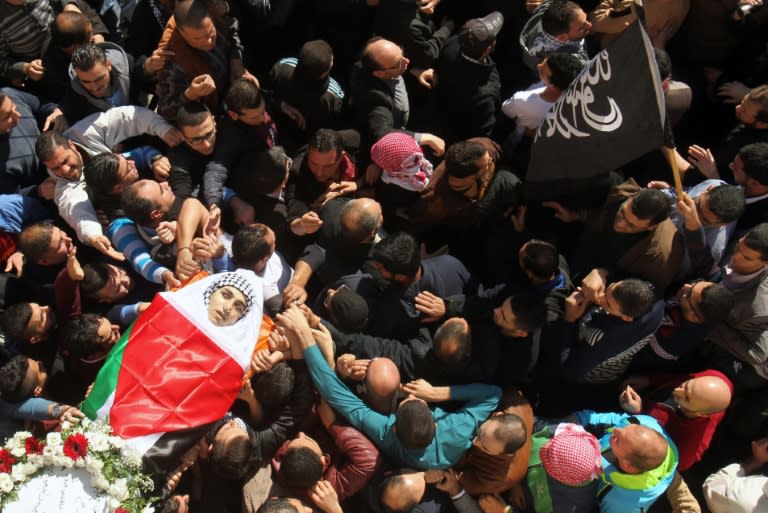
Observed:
{"x":380,"y":95}
{"x":188,"y":161}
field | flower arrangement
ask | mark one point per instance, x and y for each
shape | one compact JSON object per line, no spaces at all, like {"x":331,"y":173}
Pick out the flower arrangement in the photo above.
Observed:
{"x":114,"y":469}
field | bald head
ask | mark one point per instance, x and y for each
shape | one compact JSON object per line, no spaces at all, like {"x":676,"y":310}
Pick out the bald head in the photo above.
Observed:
{"x":703,"y":395}
{"x":638,"y":448}
{"x":360,"y":220}
{"x":382,"y":381}
{"x":384,"y":59}
{"x":71,"y":30}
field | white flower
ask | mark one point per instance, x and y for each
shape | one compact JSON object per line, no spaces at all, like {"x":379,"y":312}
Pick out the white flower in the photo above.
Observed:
{"x":148,"y":509}
{"x":18,"y":451}
{"x":114,"y":503}
{"x":53,"y":439}
{"x":21,"y":436}
{"x":131,"y":458}
{"x":119,"y":489}
{"x":100,"y":482}
{"x":6,"y":483}
{"x":65,"y":425}
{"x":93,"y":465}
{"x":116,"y":442}
{"x":17,"y":473}
{"x":63,"y":461}
{"x":98,"y":442}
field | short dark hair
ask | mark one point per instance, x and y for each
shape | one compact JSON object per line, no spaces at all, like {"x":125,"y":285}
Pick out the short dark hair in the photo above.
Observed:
{"x":755,"y":159}
{"x":759,"y":95}
{"x":530,"y":310}
{"x":756,"y":239}
{"x":314,"y":59}
{"x":452,"y":343}
{"x":85,"y":57}
{"x":101,"y":174}
{"x":265,"y":170}
{"x":716,"y":304}
{"x":367,"y":222}
{"x":556,"y":19}
{"x":80,"y":336}
{"x":415,"y":425}
{"x":95,"y":276}
{"x":243,"y":94}
{"x":461,"y":158}
{"x":540,"y":258}
{"x":192,"y":114}
{"x":325,"y":140}
{"x":391,"y":485}
{"x":137,"y":208}
{"x":70,"y":28}
{"x":565,"y":67}
{"x":277,"y":505}
{"x":300,"y":468}
{"x":170,"y":506}
{"x":249,"y":245}
{"x":650,"y":205}
{"x":190,"y":13}
{"x":275,"y":386}
{"x":234,"y":459}
{"x":399,"y":254}
{"x":726,"y":201}
{"x":12,"y":376}
{"x":15,"y":322}
{"x":635,"y":297}
{"x":34,"y":240}
{"x":663,"y":62}
{"x":510,"y":431}
{"x":47,"y":144}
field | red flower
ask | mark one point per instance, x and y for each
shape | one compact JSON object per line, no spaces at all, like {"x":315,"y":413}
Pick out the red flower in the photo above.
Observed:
{"x":121,"y":510}
{"x":33,"y":445}
{"x":76,"y":446}
{"x":6,"y":461}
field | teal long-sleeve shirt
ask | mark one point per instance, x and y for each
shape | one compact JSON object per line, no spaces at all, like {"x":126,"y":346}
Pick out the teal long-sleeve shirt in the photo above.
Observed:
{"x":453,"y":431}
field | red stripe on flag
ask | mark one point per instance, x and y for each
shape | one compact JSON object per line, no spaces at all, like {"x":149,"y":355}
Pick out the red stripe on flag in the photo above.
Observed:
{"x":172,"y":376}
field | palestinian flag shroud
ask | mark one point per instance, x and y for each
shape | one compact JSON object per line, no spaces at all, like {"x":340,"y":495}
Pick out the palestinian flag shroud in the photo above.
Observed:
{"x":174,"y":370}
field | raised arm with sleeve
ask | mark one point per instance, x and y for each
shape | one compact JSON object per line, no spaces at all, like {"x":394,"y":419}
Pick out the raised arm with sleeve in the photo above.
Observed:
{"x":125,"y":237}
{"x":362,"y":461}
{"x":76,"y":208}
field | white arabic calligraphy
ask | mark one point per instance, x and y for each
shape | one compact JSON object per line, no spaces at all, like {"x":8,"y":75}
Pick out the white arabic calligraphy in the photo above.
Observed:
{"x":574,"y":106}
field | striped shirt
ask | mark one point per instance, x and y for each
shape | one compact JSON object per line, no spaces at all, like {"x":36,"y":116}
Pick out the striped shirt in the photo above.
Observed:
{"x":333,"y":87}
{"x":24,"y":32}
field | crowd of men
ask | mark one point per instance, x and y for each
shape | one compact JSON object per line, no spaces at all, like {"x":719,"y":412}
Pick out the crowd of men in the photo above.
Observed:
{"x":442,"y":344}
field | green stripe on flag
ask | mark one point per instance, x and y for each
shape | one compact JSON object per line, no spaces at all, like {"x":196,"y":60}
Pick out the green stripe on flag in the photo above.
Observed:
{"x":106,"y":380}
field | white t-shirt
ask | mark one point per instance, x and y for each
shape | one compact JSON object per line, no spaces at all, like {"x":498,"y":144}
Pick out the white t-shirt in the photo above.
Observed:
{"x":527,"y":107}
{"x":730,"y":490}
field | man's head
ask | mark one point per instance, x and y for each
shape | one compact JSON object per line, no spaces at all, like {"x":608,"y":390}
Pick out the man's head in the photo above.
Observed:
{"x":106,"y":283}
{"x":565,"y":21}
{"x":22,"y":378}
{"x":638,"y":448}
{"x":572,"y":456}
{"x":452,"y":343}
{"x":384,"y":59}
{"x":664,"y":62}
{"x":231,"y":451}
{"x":381,"y":384}
{"x":751,"y":253}
{"x":195,"y":24}
{"x":176,"y":504}
{"x":750,"y":168}
{"x":89,"y":334}
{"x":414,"y":425}
{"x":346,"y":309}
{"x":502,"y":433}
{"x":271,"y":170}
{"x":45,"y":244}
{"x":642,"y":212}
{"x":283,"y":505}
{"x":108,"y":174}
{"x":702,"y":396}
{"x":147,"y":202}
{"x":520,"y":315}
{"x":539,"y":260}
{"x":629,"y":299}
{"x":559,"y":69}
{"x":252,"y":247}
{"x":71,"y":30}
{"x":467,"y":166}
{"x":477,"y":36}
{"x":197,"y":125}
{"x":720,"y":205}
{"x":360,"y":220}
{"x":705,"y":302}
{"x":93,"y":69}
{"x":314,"y":62}
{"x":397,"y":258}
{"x":28,"y":322}
{"x":753,"y":109}
{"x":275,"y":387}
{"x":245,"y":103}
{"x":401,"y":493}
{"x":325,"y":155}
{"x":9,"y":114}
{"x":59,"y":155}
{"x":302,"y":464}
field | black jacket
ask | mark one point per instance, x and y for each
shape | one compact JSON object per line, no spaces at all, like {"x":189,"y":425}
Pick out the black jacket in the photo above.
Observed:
{"x":403,"y":23}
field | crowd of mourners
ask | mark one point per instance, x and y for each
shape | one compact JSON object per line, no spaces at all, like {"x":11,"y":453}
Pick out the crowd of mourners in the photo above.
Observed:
{"x":442,"y":344}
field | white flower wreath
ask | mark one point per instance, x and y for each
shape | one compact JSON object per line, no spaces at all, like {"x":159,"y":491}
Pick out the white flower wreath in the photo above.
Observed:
{"x":114,"y":469}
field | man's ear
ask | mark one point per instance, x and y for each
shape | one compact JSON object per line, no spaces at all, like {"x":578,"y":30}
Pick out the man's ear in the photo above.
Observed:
{"x":232,"y":115}
{"x":156,"y":215}
{"x":627,"y":318}
{"x":38,"y":391}
{"x":35,"y":339}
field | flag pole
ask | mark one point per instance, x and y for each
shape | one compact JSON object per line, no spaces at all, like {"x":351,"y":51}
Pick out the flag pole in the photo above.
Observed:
{"x":672,"y":158}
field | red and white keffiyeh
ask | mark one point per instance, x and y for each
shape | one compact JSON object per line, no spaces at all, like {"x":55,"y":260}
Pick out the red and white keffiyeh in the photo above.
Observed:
{"x":402,"y":161}
{"x":572,"y":456}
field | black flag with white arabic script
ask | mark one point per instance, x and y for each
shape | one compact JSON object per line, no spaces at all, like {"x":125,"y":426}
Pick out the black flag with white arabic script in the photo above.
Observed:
{"x":612,"y":113}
